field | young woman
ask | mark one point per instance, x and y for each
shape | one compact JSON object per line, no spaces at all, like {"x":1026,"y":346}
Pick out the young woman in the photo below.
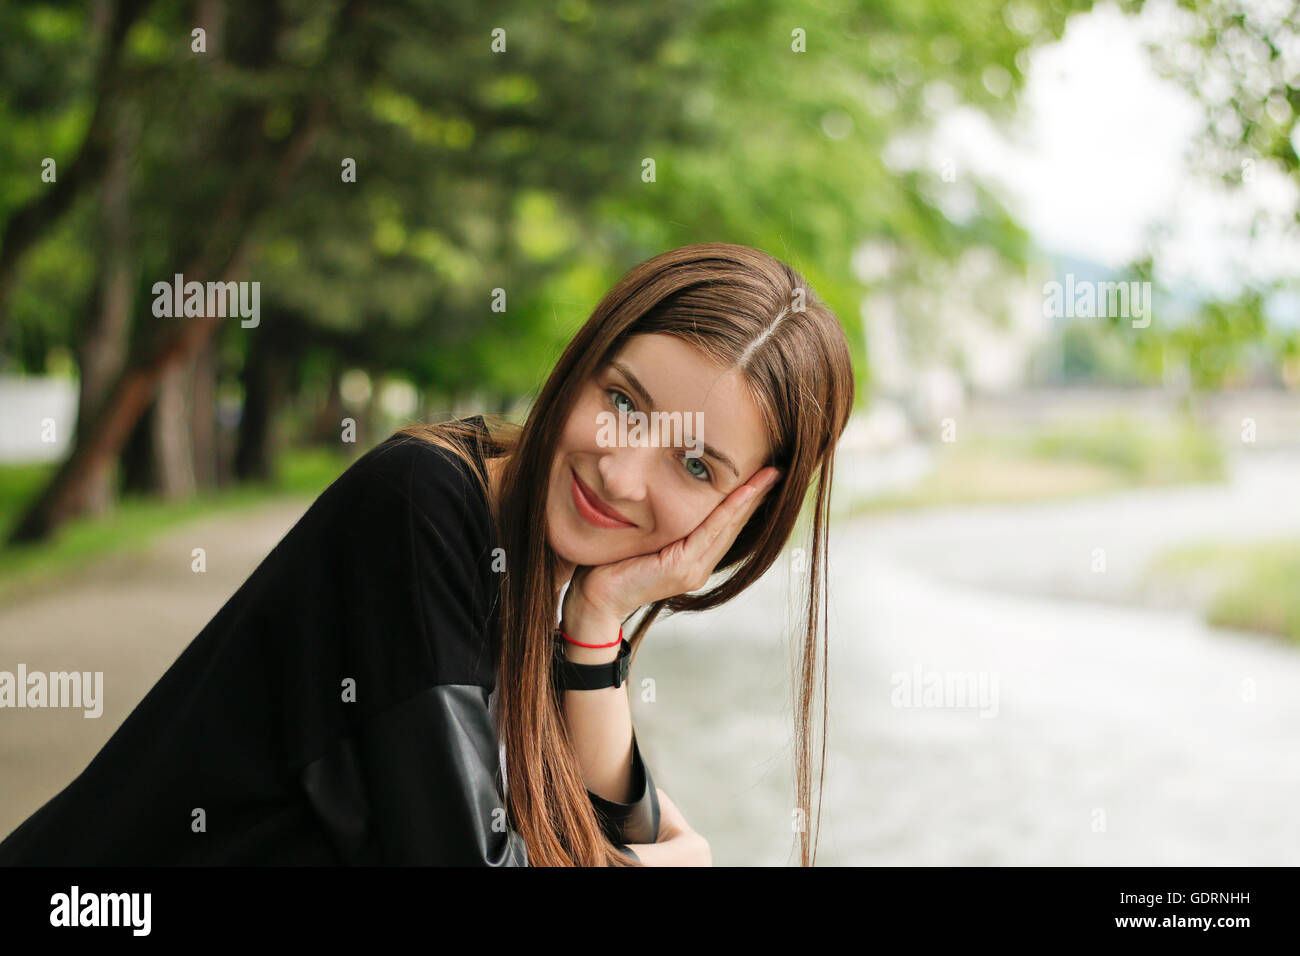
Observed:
{"x":431,"y":666}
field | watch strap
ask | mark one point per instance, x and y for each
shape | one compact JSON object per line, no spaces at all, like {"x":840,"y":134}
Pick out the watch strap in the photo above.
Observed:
{"x":572,"y":676}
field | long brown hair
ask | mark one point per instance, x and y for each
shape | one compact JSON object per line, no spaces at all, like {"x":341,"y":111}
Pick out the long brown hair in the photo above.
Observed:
{"x":744,"y":310}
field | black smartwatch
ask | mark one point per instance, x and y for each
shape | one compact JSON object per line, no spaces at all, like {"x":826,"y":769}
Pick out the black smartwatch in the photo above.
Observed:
{"x":571,"y":676}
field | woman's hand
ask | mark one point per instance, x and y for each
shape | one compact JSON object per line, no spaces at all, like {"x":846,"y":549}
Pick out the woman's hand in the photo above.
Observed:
{"x":678,"y":844}
{"x":673,"y":826}
{"x":601,"y":597}
{"x":613,"y":591}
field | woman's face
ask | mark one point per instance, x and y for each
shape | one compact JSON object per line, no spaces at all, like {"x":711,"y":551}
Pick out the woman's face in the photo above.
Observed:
{"x":661,"y":491}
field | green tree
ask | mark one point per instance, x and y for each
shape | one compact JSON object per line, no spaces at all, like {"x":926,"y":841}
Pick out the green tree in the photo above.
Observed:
{"x":500,"y":146}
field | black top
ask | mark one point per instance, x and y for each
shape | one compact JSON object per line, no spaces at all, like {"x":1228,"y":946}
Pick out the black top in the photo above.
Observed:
{"x":335,"y":710}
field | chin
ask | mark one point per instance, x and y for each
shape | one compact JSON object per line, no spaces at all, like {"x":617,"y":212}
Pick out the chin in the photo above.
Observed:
{"x":571,"y":547}
{"x":574,"y":541}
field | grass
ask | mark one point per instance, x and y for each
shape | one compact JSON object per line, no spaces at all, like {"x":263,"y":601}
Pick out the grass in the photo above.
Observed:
{"x":1088,"y":458}
{"x":137,"y":521}
{"x":1141,"y":454}
{"x":1246,"y":586}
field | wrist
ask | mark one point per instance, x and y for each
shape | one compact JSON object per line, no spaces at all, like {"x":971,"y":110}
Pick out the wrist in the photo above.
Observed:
{"x":588,"y":626}
{"x":579,"y":611}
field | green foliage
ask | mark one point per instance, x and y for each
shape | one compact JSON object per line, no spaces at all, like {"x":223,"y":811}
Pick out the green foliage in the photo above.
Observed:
{"x":1144,"y":454}
{"x":1239,"y":59}
{"x":478,"y":170}
{"x":1251,"y":585}
{"x":135,"y":521}
{"x":1085,"y":457}
{"x":1090,"y":353}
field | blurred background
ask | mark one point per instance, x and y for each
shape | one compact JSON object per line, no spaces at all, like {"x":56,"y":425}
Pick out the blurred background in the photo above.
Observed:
{"x":1061,"y":238}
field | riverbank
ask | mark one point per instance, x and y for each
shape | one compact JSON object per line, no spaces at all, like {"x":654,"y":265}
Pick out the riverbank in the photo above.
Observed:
{"x":991,"y":463}
{"x":136,"y":523}
{"x":1253,"y":586}
{"x":1221,"y":549}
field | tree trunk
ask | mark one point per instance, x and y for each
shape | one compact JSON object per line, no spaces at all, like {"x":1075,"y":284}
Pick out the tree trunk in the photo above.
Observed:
{"x":157,"y":458}
{"x":203,"y":421}
{"x":327,"y":425}
{"x":66,"y":494}
{"x":265,"y":379}
{"x":103,"y":339}
{"x":136,"y":459}
{"x":372,"y":418}
{"x":172,"y":449}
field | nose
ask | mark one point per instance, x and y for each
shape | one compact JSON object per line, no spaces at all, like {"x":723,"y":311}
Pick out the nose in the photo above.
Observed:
{"x":624,"y":472}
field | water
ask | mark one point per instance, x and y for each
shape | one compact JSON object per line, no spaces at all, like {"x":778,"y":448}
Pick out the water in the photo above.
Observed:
{"x":1122,"y":734}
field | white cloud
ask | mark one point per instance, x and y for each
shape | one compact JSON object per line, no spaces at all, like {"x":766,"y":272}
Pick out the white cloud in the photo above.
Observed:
{"x":1098,"y":156}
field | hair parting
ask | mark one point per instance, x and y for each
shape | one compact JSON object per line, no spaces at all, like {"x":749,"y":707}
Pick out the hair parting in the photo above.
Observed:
{"x":743,"y":310}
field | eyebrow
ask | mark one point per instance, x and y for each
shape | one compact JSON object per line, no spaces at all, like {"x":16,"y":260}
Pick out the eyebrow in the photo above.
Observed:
{"x":641,"y":390}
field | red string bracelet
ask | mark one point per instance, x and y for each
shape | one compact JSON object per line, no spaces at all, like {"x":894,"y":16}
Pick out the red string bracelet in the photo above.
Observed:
{"x":580,"y":644}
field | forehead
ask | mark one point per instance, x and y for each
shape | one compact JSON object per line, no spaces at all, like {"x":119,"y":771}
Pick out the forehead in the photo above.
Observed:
{"x":680,"y":378}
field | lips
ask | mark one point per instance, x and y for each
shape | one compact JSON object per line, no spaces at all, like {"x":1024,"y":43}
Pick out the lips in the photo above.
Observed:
{"x":593,"y":509}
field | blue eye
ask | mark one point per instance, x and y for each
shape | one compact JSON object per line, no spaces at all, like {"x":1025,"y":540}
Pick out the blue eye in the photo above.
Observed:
{"x":705,"y":476}
{"x":614,"y":391}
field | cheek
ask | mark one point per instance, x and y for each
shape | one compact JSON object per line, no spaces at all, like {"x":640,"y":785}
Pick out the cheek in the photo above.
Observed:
{"x":583,"y":425}
{"x":681,"y":518}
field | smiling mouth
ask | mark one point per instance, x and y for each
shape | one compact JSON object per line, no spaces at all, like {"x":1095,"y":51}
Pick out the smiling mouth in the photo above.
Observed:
{"x":591,"y":508}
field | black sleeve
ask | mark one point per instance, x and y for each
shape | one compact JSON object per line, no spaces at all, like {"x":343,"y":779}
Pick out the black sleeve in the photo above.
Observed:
{"x":411,"y":776}
{"x":405,"y":757}
{"x":635,"y":822}
{"x":418,"y":786}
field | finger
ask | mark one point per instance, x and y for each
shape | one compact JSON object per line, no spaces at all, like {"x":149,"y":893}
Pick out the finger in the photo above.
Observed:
{"x":708,"y":540}
{"x":750,"y":495}
{"x":744,"y":501}
{"x":761,"y":482}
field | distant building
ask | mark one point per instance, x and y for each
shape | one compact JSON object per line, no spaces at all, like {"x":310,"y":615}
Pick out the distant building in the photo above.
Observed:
{"x":34,"y":409}
{"x":977,"y":328}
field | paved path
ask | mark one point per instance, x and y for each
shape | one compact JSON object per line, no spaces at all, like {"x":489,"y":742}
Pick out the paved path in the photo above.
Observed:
{"x":129,"y":618}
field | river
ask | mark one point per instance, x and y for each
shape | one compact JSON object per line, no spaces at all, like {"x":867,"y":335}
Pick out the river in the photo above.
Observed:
{"x":1109,"y":731}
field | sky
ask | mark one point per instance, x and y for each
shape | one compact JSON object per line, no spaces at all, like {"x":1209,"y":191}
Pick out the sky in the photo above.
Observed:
{"x":1096,"y":157}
